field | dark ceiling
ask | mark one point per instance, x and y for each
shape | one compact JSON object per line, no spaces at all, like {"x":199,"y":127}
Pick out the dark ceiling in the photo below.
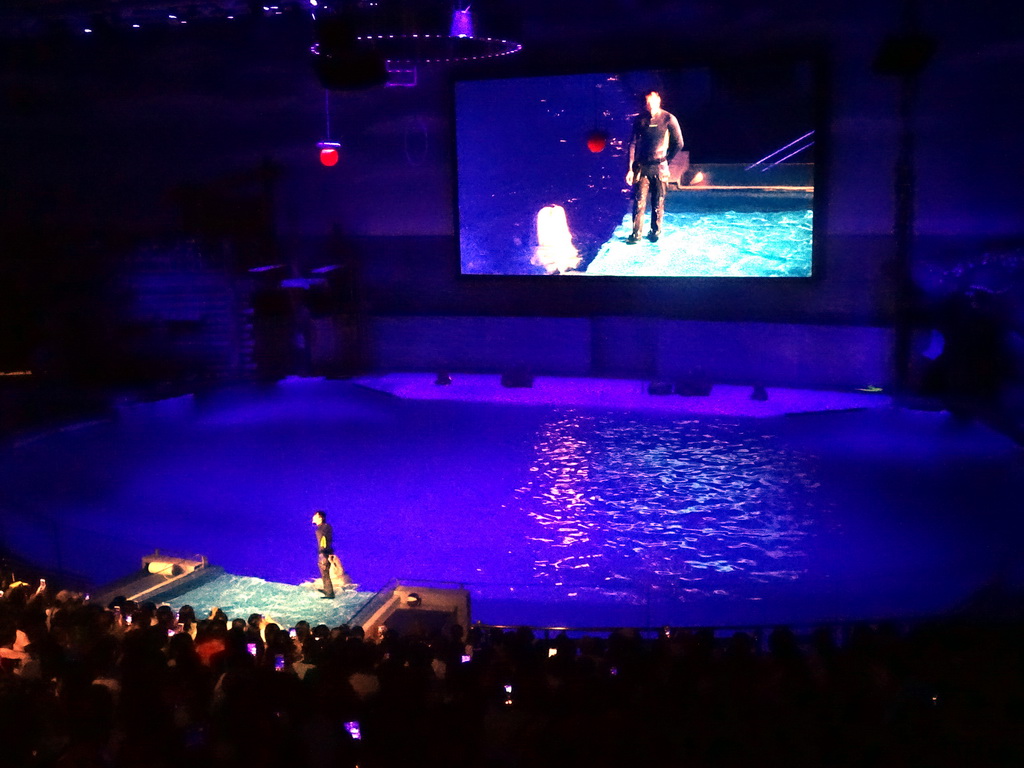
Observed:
{"x":169,"y":103}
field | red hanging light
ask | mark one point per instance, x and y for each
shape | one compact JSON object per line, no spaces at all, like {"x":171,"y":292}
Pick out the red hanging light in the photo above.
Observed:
{"x":329,"y":154}
{"x":597,"y":141}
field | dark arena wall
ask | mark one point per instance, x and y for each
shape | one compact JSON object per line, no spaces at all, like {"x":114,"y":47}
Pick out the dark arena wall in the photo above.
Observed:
{"x":209,"y":133}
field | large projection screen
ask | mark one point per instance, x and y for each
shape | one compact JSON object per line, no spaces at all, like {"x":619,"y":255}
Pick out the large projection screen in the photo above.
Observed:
{"x":542,"y":168}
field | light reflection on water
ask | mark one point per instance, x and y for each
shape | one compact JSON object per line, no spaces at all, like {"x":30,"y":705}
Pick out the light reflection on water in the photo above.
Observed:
{"x":685,"y":507}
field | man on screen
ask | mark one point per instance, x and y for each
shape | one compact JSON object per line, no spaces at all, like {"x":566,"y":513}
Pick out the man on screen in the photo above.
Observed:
{"x":655,"y":141}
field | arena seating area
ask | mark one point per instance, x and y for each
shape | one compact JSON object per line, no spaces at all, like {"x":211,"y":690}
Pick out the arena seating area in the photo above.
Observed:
{"x":139,"y":686}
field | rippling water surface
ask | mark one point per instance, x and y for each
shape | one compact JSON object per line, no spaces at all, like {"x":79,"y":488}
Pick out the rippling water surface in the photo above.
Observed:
{"x":548,"y":515}
{"x":707,"y":244}
{"x":624,"y":506}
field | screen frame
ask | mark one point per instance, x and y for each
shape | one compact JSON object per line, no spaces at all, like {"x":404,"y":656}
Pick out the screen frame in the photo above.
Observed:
{"x":819,"y":101}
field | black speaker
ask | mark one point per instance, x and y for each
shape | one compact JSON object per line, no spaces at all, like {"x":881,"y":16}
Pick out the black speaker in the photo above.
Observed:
{"x":693,"y":387}
{"x":659,"y":388}
{"x":517,"y":378}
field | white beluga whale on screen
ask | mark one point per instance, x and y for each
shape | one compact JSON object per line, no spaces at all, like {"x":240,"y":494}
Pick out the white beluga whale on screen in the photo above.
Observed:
{"x":555,"y":251}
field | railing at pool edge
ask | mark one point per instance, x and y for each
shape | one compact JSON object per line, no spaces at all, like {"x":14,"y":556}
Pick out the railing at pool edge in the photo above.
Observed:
{"x":840,"y":631}
{"x":759,"y":632}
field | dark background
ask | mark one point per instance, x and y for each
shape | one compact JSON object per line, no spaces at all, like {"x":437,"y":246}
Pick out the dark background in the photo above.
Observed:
{"x":133,"y":142}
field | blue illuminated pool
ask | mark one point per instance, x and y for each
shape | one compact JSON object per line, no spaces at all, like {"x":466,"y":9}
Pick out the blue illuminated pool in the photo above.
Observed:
{"x":713,"y":244}
{"x":551,"y":514}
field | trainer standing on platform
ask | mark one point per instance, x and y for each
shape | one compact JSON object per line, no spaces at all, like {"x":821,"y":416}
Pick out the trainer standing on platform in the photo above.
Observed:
{"x":324,"y":549}
{"x":655,"y":141}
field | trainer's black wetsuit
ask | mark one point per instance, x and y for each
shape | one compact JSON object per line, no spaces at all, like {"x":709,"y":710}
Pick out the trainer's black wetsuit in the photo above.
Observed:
{"x":325,"y":548}
{"x":655,"y":141}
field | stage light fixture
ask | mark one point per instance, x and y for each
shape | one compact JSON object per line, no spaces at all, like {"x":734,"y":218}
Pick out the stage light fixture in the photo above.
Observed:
{"x":413,"y":600}
{"x":329,"y":153}
{"x":597,"y":141}
{"x":410,"y":49}
{"x":366,"y":44}
{"x":462,"y":23}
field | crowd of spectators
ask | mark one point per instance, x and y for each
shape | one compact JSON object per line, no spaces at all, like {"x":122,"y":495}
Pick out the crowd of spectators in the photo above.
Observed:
{"x":140,"y":686}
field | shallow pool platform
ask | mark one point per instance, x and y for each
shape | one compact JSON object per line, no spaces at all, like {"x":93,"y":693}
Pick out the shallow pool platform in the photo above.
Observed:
{"x":283,"y":604}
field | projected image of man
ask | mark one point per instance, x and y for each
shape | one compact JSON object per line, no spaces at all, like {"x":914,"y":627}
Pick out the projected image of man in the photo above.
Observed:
{"x":656,"y":139}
